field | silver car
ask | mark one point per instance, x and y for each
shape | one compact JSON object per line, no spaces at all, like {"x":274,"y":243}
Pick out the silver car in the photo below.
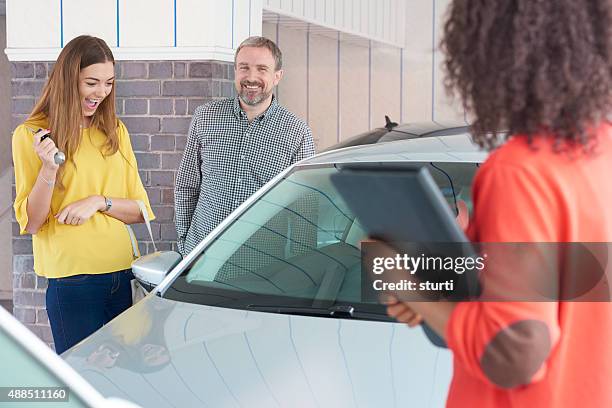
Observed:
{"x":267,"y":310}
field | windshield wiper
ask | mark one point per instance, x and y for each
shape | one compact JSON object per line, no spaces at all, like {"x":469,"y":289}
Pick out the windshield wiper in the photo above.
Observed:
{"x":337,"y":311}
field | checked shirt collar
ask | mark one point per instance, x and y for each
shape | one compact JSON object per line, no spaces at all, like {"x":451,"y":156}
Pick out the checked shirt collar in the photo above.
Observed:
{"x":264,"y":117}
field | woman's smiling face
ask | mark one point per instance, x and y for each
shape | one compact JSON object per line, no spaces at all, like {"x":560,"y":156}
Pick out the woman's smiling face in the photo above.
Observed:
{"x":95,"y":83}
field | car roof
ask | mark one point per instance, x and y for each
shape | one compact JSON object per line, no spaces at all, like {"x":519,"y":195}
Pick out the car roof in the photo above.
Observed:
{"x":393,"y":131}
{"x":425,"y":129}
{"x":455,"y":146}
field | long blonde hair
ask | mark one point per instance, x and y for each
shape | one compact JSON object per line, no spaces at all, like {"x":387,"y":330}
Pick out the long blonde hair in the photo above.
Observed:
{"x":60,"y":102}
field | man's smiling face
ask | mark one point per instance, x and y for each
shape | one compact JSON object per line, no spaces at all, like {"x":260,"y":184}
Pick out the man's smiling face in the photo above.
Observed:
{"x":256,"y":75}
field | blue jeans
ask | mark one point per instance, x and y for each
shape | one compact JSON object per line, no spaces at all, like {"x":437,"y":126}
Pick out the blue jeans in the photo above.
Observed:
{"x":79,"y":305}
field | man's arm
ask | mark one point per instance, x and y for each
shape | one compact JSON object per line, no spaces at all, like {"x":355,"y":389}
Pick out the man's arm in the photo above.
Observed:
{"x":188,"y":182}
{"x":306,"y":148}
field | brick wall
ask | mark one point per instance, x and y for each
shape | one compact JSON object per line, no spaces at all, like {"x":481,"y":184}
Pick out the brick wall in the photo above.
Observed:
{"x":155,"y":99}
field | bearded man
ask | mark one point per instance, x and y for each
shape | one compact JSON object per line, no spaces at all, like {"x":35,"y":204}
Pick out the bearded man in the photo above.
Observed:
{"x":236,"y":145}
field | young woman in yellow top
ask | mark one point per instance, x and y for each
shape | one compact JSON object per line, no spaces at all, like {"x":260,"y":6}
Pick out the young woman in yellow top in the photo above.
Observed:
{"x":77,"y":211}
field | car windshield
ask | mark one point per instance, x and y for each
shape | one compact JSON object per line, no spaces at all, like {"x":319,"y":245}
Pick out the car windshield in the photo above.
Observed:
{"x":297,"y":249}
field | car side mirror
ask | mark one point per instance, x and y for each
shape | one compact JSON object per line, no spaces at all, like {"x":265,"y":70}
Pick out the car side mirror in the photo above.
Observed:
{"x":151,"y":269}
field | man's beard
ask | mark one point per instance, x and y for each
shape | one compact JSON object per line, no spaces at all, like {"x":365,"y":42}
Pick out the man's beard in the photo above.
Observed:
{"x":257,"y":99}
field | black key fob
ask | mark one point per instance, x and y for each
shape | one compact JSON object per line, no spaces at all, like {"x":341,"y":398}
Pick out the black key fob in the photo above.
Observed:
{"x":59,"y":157}
{"x":43,"y":137}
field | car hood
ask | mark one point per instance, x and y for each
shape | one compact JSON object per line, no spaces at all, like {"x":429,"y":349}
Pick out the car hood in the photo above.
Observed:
{"x":163,"y":353}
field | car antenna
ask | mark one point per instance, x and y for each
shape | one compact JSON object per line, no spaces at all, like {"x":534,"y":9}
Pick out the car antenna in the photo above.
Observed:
{"x":388,"y":124}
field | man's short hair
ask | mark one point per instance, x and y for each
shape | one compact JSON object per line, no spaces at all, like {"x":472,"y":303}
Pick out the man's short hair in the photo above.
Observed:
{"x":263,"y":42}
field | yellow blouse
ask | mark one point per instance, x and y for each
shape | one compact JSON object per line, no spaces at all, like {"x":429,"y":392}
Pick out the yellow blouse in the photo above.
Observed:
{"x":100,"y":245}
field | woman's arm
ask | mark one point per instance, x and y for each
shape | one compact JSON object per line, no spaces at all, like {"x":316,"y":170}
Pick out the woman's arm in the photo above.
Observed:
{"x":125,"y":210}
{"x":39,"y":200}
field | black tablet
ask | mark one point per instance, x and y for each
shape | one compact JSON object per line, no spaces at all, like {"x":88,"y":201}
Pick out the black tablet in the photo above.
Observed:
{"x":397,"y":202}
{"x":401,"y":203}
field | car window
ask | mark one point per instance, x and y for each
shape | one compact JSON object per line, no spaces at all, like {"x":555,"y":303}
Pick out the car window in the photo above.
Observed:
{"x":299,"y":245}
{"x":27,"y":371}
{"x":455,"y":182}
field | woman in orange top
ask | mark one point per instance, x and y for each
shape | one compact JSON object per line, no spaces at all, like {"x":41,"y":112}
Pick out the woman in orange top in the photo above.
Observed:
{"x":541,"y":70}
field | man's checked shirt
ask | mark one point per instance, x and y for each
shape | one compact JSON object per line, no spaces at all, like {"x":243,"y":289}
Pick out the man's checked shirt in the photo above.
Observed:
{"x":227,"y":159}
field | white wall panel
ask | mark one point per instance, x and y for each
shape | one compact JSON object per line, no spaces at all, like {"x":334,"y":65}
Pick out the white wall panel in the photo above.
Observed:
{"x":379,"y":12}
{"x":323,"y":90}
{"x":309,"y":9}
{"x":339,"y":14}
{"x":319,"y":8}
{"x":385,"y":85}
{"x":299,"y":6}
{"x":418,"y":64}
{"x":33,"y":23}
{"x":349,"y":15}
{"x":292,"y":91}
{"x":329,"y":13}
{"x":223,"y":27}
{"x":256,"y":17}
{"x":93,"y":17}
{"x":273,"y":3}
{"x":386,"y":18}
{"x":371,"y":16}
{"x":242,"y":21}
{"x":207,"y":23}
{"x":269,"y":31}
{"x":364,"y":13}
{"x":330,"y":86}
{"x":197,"y":22}
{"x":286,"y":5}
{"x":402,"y":88}
{"x":217,"y":24}
{"x":401,"y":21}
{"x":156,"y":30}
{"x":393,"y":18}
{"x":354,"y":93}
{"x":446,"y":111}
{"x":372,"y":19}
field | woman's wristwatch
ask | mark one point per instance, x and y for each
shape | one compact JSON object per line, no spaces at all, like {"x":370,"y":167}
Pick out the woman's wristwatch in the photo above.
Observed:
{"x":109,"y":204}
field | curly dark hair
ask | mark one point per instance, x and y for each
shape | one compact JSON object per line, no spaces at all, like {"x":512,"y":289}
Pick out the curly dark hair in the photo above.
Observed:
{"x":531,"y":66}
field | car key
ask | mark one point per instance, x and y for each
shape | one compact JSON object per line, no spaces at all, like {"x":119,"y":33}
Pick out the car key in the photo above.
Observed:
{"x":59,"y":157}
